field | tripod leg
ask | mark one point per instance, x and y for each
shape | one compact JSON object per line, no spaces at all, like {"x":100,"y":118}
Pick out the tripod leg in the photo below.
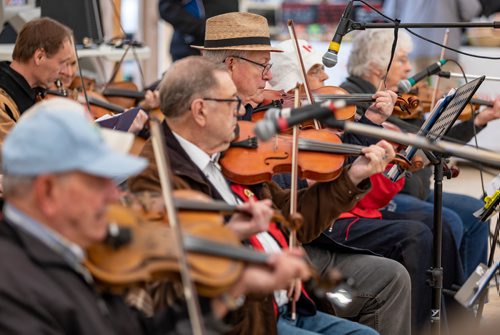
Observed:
{"x":493,"y":245}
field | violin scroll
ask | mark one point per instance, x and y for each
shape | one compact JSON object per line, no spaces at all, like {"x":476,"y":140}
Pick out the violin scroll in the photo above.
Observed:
{"x":406,"y":106}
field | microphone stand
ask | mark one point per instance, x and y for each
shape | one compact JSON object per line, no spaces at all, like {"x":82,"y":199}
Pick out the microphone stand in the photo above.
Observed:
{"x":353,"y":25}
{"x":447,"y":74}
{"x":443,"y":149}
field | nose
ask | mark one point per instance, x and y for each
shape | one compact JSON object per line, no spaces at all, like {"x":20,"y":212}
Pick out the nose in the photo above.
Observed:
{"x":324,"y":76}
{"x":241,"y":111}
{"x":408,"y":68}
{"x":268,"y":76}
{"x":64,"y":69}
{"x":112,"y":191}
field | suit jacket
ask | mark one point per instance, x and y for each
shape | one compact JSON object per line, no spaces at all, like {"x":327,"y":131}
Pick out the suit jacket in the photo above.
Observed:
{"x":319,"y":205}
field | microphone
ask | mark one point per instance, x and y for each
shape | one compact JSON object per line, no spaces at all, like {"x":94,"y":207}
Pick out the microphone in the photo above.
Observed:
{"x":279,"y":122}
{"x":404,"y":86}
{"x":330,"y":57}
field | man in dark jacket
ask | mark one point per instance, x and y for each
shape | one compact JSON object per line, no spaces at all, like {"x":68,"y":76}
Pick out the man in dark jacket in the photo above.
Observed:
{"x":58,"y":182}
{"x":43,"y":48}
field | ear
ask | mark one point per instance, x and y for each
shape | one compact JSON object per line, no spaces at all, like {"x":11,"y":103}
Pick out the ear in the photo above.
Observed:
{"x":199,"y":111}
{"x":38,"y":56}
{"x":229,"y":64}
{"x":46,"y":192}
{"x":377,"y":71}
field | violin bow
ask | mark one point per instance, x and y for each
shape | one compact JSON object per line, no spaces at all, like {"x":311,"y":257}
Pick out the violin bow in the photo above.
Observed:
{"x":294,"y":218}
{"x":293,"y":36}
{"x":441,"y":56}
{"x":164,"y":172}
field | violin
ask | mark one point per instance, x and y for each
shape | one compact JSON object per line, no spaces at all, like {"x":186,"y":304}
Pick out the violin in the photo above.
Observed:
{"x":424,"y":94}
{"x":281,"y":99}
{"x":97,"y":104}
{"x":139,"y":251}
{"x":406,"y":105}
{"x":123,"y":93}
{"x":321,"y":157}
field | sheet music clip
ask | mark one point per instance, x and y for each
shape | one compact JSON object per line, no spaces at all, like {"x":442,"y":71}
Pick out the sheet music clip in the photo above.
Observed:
{"x":476,"y":285}
{"x":490,"y":208}
{"x":492,"y":200}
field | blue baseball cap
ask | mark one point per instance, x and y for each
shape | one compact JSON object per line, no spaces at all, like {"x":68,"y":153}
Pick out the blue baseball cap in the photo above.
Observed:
{"x":56,"y":136}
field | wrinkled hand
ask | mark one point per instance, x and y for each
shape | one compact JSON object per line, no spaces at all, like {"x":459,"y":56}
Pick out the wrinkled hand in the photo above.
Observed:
{"x":383,"y":106}
{"x":151,"y":100}
{"x":488,"y":114}
{"x":140,"y":120}
{"x":374,"y":160}
{"x":254,"y":219}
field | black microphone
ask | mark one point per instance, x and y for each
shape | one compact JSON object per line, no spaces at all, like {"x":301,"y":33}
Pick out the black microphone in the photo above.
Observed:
{"x":330,"y":57}
{"x":404,"y":86}
{"x":276,"y":123}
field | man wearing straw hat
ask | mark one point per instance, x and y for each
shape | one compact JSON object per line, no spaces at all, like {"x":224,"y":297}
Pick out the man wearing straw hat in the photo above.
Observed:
{"x":242,"y":42}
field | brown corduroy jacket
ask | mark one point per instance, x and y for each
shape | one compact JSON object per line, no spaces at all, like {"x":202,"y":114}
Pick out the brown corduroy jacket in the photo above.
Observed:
{"x":319,"y":205}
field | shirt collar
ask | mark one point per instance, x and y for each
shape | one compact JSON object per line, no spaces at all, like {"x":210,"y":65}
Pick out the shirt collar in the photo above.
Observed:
{"x":70,"y":251}
{"x":200,"y":158}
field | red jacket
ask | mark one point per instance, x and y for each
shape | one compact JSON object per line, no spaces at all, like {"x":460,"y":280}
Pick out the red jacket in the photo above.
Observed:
{"x":383,"y":190}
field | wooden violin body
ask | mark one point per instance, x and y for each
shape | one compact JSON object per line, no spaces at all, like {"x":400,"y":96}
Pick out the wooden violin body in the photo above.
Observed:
{"x":255,"y":165}
{"x":148,"y":253}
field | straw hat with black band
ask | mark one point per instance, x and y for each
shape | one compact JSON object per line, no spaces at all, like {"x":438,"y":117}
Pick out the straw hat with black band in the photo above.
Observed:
{"x":237,"y":31}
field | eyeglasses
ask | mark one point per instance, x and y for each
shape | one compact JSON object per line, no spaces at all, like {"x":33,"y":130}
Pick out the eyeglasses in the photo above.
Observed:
{"x":237,"y":100}
{"x":265,"y":67}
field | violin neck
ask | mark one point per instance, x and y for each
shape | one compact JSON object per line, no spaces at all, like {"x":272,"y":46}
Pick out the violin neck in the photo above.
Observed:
{"x":104,"y":104}
{"x":481,"y":102}
{"x":117,"y":92}
{"x":361,"y":98}
{"x":212,"y":206}
{"x":208,"y":247}
{"x":326,"y":147}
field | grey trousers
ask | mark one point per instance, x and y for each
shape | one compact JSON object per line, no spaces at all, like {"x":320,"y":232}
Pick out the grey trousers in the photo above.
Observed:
{"x":382,"y":295}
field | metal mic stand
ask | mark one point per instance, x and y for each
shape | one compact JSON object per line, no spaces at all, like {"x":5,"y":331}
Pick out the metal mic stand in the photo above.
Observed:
{"x":437,"y":125}
{"x":436,"y":272}
{"x":352,"y":25}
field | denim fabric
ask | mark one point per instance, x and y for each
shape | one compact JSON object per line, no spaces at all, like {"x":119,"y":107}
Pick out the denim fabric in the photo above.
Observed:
{"x":474,"y":244}
{"x":320,"y":323}
{"x":471,"y":235}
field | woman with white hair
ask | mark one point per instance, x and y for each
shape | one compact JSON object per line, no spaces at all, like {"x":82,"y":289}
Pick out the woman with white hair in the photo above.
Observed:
{"x":367,"y":67}
{"x":370,"y":55}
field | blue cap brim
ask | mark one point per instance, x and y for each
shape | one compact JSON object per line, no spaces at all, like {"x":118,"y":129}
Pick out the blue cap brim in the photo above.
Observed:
{"x":115,"y":165}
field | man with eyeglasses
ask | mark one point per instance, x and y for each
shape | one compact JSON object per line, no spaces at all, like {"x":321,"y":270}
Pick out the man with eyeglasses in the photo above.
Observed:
{"x":239,"y":40}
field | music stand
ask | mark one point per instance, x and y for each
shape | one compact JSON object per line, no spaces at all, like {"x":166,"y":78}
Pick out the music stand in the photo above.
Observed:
{"x":436,"y":126}
{"x":491,"y":207}
{"x":476,"y":286}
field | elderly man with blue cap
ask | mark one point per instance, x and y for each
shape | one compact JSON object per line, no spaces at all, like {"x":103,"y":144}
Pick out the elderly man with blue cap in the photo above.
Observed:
{"x":58,"y":180}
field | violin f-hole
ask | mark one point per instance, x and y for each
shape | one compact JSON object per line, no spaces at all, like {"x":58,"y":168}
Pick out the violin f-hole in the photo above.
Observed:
{"x":284,"y":157}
